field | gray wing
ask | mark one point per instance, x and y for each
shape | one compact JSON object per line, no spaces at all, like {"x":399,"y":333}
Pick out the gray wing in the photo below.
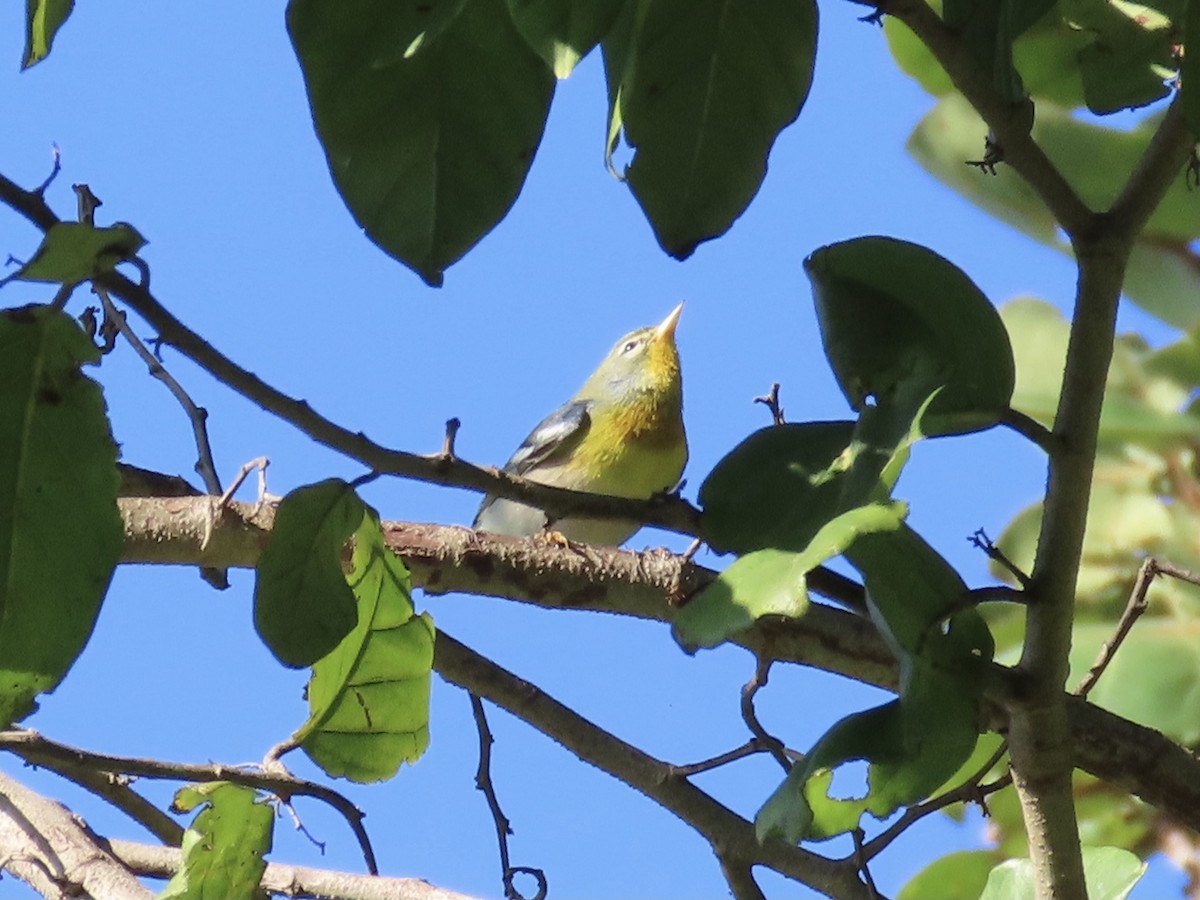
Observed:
{"x":555,"y":435}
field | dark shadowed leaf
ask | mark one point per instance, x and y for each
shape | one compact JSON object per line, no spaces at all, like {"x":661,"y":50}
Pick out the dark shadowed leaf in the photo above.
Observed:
{"x":702,"y":89}
{"x":60,"y":532}
{"x":429,"y":150}
{"x":302,"y":604}
{"x":369,"y":698}
{"x":895,"y":316}
{"x":563,"y":31}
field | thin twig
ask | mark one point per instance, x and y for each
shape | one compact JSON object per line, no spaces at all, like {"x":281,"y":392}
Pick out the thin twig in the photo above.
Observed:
{"x":39,"y":750}
{"x":1031,"y":429}
{"x":771,"y":401}
{"x":862,"y":862}
{"x":774,"y":746}
{"x":750,"y":748}
{"x":1134,"y":608}
{"x":483,"y":781}
{"x":970,"y":790}
{"x":56,"y":152}
{"x":981,"y":541}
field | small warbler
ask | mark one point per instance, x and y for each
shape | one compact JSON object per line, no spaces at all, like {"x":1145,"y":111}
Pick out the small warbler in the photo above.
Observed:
{"x":621,"y":434}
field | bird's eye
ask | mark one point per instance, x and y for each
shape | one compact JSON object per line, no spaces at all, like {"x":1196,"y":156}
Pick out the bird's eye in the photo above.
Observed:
{"x":630,"y":346}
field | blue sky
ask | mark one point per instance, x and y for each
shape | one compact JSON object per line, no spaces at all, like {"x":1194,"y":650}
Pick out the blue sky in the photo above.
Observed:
{"x":190,"y":121}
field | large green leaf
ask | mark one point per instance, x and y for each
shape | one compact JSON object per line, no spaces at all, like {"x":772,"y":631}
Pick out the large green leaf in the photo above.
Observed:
{"x":72,"y":252}
{"x":1162,"y":277}
{"x":895,"y":316}
{"x":913,"y":744}
{"x":302,"y":605}
{"x":369,"y":698}
{"x":429,"y":149}
{"x":224,"y":848}
{"x":701,"y":89}
{"x":43,"y":18}
{"x":563,"y":31}
{"x":987,"y":29}
{"x":60,"y":532}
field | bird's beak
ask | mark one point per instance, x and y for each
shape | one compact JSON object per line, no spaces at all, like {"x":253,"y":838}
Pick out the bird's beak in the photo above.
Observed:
{"x":666,"y":328}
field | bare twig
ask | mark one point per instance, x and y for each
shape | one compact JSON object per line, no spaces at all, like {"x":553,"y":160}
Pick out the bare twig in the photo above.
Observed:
{"x":1134,"y":609}
{"x":775,"y":747}
{"x":739,"y":876}
{"x":771,"y":401}
{"x":981,"y":541}
{"x":483,"y":781}
{"x":56,"y":152}
{"x":452,"y":426}
{"x":863,"y":864}
{"x":36,"y":749}
{"x":750,"y":748}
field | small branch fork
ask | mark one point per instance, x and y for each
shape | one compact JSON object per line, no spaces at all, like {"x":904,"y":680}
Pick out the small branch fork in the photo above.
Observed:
{"x":483,"y":781}
{"x":772,"y":744}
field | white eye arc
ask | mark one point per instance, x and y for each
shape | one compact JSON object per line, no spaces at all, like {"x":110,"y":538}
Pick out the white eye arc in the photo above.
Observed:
{"x":630,"y":346}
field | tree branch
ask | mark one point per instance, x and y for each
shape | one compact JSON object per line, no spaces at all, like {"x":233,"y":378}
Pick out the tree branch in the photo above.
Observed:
{"x":730,"y":836}
{"x":49,"y":848}
{"x":291,"y":881}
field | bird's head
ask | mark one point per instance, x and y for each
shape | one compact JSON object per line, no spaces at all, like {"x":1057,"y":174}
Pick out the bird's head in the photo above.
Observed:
{"x":643,"y":362}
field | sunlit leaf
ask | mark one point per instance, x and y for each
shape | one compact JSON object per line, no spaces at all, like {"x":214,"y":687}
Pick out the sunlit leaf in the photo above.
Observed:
{"x":429,"y":149}
{"x":43,"y":18}
{"x":369,"y":698}
{"x":702,"y":91}
{"x":771,"y":582}
{"x":224,"y":847}
{"x":302,"y":605}
{"x":72,"y":252}
{"x":60,"y":532}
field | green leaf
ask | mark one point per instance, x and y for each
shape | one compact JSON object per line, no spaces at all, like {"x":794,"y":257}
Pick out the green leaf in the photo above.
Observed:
{"x":775,"y":488}
{"x":429,"y":150}
{"x":43,"y":18}
{"x":1130,"y":59}
{"x":225,"y":846}
{"x":302,"y":605}
{"x":987,"y":29}
{"x":892,"y":312}
{"x":1162,"y":276}
{"x":956,"y":876}
{"x":369,"y":698}
{"x":771,"y":582}
{"x":703,"y":89}
{"x":562,"y":31}
{"x":1109,"y":872}
{"x":60,"y":532}
{"x":913,"y":744}
{"x":72,"y":252}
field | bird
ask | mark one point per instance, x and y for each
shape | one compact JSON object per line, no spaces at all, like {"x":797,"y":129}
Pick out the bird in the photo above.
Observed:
{"x":621,"y":434}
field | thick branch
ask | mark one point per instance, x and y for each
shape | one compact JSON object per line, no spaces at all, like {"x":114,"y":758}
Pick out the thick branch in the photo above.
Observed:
{"x":730,"y":836}
{"x":291,"y":881}
{"x":447,"y":558}
{"x":45,"y":845}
